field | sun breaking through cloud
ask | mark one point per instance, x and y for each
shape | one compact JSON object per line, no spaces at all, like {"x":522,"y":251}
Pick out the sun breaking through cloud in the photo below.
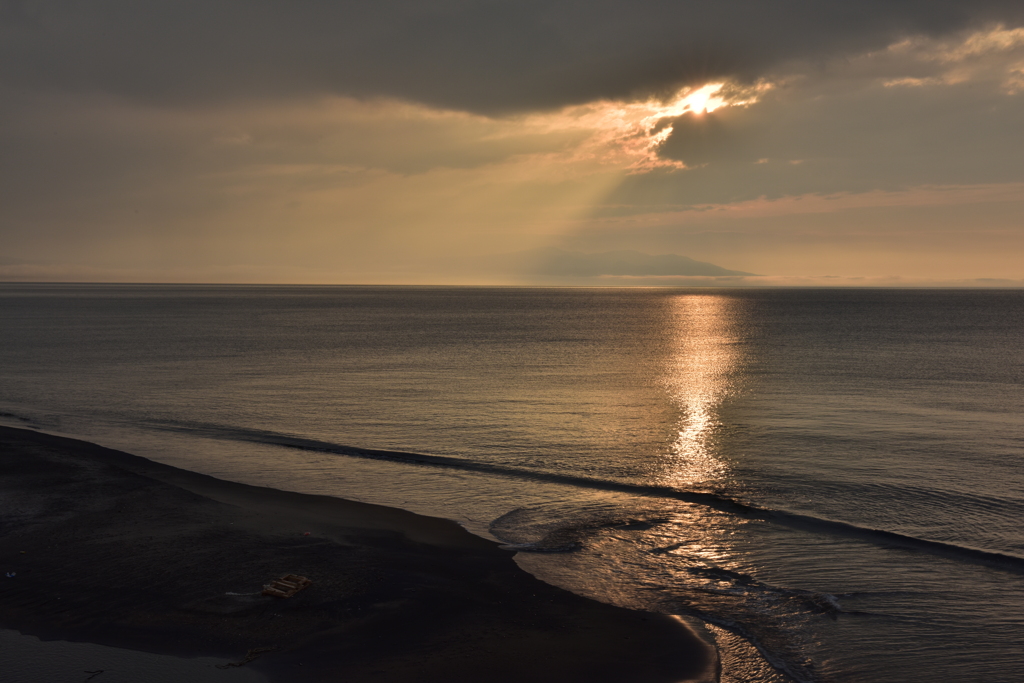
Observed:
{"x":629,"y":134}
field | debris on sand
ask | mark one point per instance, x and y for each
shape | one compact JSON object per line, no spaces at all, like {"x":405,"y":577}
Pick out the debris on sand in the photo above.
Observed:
{"x":287,"y":586}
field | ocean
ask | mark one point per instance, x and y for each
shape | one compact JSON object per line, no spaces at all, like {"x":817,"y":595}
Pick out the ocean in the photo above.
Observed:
{"x":827,"y":482}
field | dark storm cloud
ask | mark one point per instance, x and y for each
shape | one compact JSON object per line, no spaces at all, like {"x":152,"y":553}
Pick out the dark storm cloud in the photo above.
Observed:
{"x":487,"y":55}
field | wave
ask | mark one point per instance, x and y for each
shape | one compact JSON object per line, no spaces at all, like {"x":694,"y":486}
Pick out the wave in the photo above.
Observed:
{"x":712,"y":500}
{"x":542,"y":547}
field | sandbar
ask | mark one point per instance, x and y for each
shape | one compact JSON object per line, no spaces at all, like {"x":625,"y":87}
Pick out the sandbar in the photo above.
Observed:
{"x":116,"y":550}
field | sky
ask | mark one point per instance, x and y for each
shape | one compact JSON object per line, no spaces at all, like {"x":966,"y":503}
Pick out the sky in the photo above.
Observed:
{"x":793,"y":142}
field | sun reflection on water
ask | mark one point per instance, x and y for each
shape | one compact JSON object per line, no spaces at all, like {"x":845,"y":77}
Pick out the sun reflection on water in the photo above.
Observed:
{"x":700,"y":375}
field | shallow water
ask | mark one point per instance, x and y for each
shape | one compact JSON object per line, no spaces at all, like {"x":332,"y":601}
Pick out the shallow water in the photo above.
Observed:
{"x":831,"y":478}
{"x":30,"y":660}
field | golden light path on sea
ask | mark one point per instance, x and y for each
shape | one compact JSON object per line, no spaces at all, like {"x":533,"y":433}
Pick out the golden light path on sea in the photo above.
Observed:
{"x":699,"y":377}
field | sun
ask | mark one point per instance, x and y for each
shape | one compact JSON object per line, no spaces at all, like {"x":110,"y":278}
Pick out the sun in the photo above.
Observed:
{"x":629,"y":133}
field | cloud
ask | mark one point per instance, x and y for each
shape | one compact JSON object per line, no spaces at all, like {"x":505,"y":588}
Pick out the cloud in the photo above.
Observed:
{"x":995,"y":54}
{"x":483,"y":55}
{"x":942,"y":233}
{"x":313,"y":144}
{"x":853,"y":125}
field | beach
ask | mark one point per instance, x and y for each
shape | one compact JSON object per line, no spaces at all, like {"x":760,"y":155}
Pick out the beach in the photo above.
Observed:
{"x":108,"y":548}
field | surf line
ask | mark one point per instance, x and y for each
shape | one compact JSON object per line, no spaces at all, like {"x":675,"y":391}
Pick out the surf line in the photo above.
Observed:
{"x":714,"y":501}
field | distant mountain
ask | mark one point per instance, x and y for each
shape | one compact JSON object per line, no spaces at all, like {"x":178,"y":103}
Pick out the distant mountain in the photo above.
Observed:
{"x":552,"y":262}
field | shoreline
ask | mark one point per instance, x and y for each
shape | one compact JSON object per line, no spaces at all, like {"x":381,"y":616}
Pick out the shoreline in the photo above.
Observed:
{"x":116,"y":550}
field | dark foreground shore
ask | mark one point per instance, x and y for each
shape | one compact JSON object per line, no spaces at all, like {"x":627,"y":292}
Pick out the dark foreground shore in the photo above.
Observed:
{"x":114,"y":549}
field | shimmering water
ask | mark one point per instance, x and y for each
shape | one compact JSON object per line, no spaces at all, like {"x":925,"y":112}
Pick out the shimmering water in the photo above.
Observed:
{"x":832,"y":480}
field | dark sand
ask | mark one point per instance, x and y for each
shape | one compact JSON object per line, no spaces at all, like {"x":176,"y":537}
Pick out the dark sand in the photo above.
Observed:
{"x":114,"y":549}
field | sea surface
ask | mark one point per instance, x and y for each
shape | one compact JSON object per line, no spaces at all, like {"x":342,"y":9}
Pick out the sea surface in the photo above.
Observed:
{"x":831,"y":481}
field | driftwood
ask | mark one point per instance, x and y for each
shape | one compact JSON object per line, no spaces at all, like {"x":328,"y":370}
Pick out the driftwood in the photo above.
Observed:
{"x":286,"y":586}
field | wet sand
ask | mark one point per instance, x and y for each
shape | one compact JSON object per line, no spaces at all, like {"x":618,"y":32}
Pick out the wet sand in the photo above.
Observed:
{"x":113,"y":549}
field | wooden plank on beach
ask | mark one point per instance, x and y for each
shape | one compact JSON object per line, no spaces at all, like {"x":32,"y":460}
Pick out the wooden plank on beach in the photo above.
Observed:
{"x":286,"y":586}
